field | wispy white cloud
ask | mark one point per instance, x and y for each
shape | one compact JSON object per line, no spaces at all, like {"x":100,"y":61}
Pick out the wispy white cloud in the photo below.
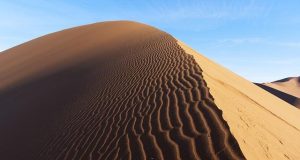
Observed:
{"x":40,"y":13}
{"x":256,"y":40}
{"x":288,"y":44}
{"x":285,"y":61}
{"x":238,"y":41}
{"x":198,"y":10}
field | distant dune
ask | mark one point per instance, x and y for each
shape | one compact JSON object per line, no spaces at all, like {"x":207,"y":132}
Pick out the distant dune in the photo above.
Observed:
{"x":289,"y":85}
{"x":288,"y":89}
{"x":125,"y":90}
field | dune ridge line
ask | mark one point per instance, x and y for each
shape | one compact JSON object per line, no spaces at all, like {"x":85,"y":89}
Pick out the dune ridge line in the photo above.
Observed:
{"x":142,"y":98}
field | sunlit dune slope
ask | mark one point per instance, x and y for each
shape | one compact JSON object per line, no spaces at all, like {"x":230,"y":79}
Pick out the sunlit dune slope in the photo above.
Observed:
{"x":265,"y":126}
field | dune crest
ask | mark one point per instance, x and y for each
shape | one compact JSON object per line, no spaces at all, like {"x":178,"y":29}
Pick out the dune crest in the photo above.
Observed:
{"x":113,"y":90}
{"x":282,"y":95}
{"x":287,"y":89}
{"x":264,"y":126}
{"x":289,"y":85}
{"x":126,"y":90}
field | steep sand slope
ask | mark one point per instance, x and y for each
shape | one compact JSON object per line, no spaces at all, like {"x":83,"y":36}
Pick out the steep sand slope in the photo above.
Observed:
{"x":264,"y":126}
{"x":114,"y":90}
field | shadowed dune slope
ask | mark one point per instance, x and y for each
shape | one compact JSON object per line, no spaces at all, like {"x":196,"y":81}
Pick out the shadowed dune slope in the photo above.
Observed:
{"x":295,"y":101}
{"x":288,"y":89}
{"x":112,"y":90}
{"x":289,"y":85}
{"x":264,"y":126}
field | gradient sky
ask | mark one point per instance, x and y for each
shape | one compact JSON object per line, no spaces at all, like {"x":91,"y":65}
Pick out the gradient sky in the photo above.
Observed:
{"x":259,"y":40}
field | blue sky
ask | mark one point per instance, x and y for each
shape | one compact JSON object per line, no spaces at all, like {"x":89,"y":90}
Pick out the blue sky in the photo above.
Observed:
{"x":259,"y":40}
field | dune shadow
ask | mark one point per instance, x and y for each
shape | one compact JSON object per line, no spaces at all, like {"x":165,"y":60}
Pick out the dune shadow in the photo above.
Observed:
{"x":284,"y":96}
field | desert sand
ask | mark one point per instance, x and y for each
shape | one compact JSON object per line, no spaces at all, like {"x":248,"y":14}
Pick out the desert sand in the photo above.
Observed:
{"x":125,"y":90}
{"x":265,"y":126}
{"x":288,"y":89}
{"x":289,"y":85}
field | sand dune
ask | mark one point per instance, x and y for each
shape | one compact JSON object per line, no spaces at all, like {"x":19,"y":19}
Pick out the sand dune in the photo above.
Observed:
{"x":264,"y":126}
{"x":288,"y":89}
{"x":114,"y":90}
{"x":289,"y":85}
{"x":295,"y":101}
{"x":125,"y":90}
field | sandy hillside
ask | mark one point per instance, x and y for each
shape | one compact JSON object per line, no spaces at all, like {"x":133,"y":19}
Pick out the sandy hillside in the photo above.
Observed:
{"x":287,"y":89}
{"x":125,"y":90}
{"x":114,"y":90}
{"x":264,"y":126}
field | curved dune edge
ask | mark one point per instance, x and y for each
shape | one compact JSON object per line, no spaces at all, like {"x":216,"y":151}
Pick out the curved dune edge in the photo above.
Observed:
{"x":289,"y":85}
{"x":264,"y":126}
{"x":282,"y":95}
{"x":287,"y":89}
{"x":147,"y":100}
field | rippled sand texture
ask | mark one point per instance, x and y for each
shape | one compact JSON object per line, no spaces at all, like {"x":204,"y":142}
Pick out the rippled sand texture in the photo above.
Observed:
{"x":114,"y":90}
{"x":265,"y":126}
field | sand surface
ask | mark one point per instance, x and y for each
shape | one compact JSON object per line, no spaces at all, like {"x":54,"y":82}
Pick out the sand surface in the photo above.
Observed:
{"x":289,"y":85}
{"x":287,"y":89}
{"x":125,"y":90}
{"x":113,"y":90}
{"x":264,"y":126}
